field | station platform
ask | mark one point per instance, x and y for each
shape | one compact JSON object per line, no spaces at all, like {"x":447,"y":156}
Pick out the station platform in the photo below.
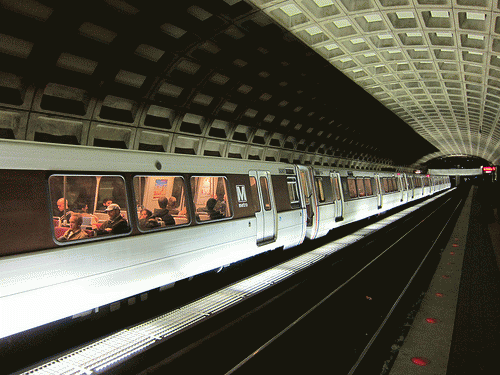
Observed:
{"x":457,"y":329}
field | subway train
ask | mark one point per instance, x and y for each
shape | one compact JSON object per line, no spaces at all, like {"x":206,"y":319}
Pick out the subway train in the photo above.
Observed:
{"x":180,"y":215}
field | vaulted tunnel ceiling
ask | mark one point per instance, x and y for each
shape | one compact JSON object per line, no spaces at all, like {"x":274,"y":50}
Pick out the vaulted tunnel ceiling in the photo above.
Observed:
{"x":226,"y":78}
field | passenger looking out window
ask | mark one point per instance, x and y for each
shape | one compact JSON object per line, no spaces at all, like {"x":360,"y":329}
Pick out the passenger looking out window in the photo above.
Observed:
{"x":75,"y":232}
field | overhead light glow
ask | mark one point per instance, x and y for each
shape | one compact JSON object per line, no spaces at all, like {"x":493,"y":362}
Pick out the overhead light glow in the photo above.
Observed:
{"x":323,"y":3}
{"x":385,"y":36}
{"x":404,"y":15}
{"x":342,"y":23}
{"x":476,"y":16}
{"x":475,"y":36}
{"x":444,"y":35}
{"x":345,"y":59}
{"x":373,"y":18}
{"x":314,"y":30}
{"x":357,"y":40}
{"x":439,"y":14}
{"x":329,"y":47}
{"x":291,"y":10}
{"x":414,"y":34}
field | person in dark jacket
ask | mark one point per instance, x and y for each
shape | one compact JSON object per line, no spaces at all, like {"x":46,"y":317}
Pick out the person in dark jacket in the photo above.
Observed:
{"x":146,"y":221}
{"x":163,"y":212}
{"x":116,"y":224}
{"x":212,"y":212}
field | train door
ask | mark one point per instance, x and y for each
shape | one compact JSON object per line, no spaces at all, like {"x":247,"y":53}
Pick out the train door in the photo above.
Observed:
{"x":402,"y":187}
{"x":266,"y":216}
{"x":307,"y":188}
{"x":379,"y":189}
{"x":337,"y":197}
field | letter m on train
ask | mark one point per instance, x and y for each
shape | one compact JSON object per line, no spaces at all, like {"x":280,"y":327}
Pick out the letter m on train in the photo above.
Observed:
{"x":241,"y":193}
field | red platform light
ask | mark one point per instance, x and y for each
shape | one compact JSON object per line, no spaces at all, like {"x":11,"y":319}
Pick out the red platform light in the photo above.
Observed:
{"x":439,"y":295}
{"x":420,"y":361}
{"x":455,"y":245}
{"x":446,"y":276}
{"x":452,"y":253}
{"x":431,"y":320}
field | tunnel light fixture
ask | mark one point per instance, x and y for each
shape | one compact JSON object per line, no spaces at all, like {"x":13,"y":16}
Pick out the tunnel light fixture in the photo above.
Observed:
{"x":385,"y":36}
{"x":291,"y":10}
{"x":405,"y":15}
{"x":476,"y":16}
{"x":357,"y":70}
{"x":357,"y":40}
{"x":342,"y":23}
{"x":315,"y":30}
{"x":323,"y":3}
{"x":345,"y":59}
{"x":372,"y":17}
{"x":475,"y":36}
{"x":369,"y":54}
{"x":440,"y":14}
{"x":444,"y":34}
{"x":413,"y":34}
{"x":331,"y":46}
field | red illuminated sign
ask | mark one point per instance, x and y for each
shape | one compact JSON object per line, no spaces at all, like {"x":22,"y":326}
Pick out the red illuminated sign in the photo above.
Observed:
{"x":489,"y":169}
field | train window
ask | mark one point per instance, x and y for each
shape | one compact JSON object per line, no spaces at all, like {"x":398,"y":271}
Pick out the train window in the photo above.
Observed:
{"x":395,"y":184}
{"x":351,"y":183}
{"x":385,"y":185}
{"x":361,"y":187}
{"x":368,"y":187}
{"x":210,"y":198}
{"x":305,"y":188}
{"x":255,"y":193}
{"x":293,"y":191}
{"x":336,"y":188}
{"x":80,"y":214}
{"x":161,"y":201}
{"x":320,"y":190}
{"x":266,"y":199}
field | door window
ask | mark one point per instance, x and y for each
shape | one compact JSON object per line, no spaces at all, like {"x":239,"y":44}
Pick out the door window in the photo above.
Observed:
{"x":266,"y":199}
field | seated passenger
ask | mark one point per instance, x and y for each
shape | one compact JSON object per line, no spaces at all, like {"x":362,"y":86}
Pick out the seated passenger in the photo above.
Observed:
{"x":163,"y":212}
{"x":63,"y":216}
{"x":82,"y":208}
{"x":74,"y":232}
{"x":146,"y":221}
{"x":171,"y":206}
{"x":212,"y":212}
{"x":116,"y":224}
{"x":221,"y":204}
{"x":105,"y":203}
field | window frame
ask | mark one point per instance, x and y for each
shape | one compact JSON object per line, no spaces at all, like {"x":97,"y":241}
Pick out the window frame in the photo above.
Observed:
{"x":186,"y":197}
{"x":228,"y":202}
{"x":94,"y":237}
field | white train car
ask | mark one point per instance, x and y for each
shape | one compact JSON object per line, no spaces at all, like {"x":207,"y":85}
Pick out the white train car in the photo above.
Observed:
{"x":151,"y":219}
{"x":44,"y":278}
